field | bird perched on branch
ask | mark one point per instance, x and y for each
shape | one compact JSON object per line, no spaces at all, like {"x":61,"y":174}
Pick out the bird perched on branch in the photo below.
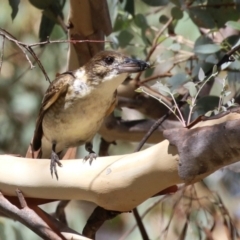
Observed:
{"x":76,"y":103}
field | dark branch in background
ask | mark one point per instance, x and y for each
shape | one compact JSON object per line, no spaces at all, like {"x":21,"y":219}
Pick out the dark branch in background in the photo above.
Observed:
{"x":28,"y":48}
{"x":60,"y":213}
{"x":152,"y":129}
{"x":96,"y":220}
{"x":28,"y":217}
{"x":140,"y":224}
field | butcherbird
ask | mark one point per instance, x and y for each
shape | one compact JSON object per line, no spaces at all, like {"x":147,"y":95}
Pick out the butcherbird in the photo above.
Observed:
{"x":76,"y":103}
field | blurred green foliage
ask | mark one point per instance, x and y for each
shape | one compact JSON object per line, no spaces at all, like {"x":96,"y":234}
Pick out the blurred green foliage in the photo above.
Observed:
{"x":199,"y":34}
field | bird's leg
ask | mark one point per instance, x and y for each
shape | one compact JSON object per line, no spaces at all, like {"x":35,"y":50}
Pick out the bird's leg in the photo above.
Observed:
{"x":92,"y":155}
{"x":54,"y":160}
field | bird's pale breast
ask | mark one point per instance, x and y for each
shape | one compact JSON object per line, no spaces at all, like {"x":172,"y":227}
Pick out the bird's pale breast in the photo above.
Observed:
{"x":74,"y":123}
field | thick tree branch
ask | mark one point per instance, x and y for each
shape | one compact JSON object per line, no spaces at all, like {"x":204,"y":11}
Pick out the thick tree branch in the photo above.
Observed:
{"x":121,"y":183}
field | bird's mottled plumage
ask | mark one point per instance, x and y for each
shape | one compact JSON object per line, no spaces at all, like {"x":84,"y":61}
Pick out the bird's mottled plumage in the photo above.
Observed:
{"x":76,"y":103}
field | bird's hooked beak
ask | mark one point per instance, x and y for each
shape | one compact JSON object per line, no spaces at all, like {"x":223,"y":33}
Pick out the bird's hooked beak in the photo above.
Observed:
{"x":130,"y":65}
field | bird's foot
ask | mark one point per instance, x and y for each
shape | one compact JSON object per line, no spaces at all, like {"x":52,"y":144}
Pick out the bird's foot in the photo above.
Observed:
{"x":91,"y":156}
{"x":53,"y":164}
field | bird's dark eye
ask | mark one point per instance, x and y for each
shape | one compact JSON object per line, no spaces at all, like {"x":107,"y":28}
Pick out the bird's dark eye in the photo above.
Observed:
{"x":109,"y":60}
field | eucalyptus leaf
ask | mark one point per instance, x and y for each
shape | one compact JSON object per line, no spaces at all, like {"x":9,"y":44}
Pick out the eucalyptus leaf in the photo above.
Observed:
{"x":162,"y":88}
{"x":176,"y":13}
{"x":191,"y":88}
{"x":46,"y":28}
{"x":234,"y":25}
{"x":175,"y":47}
{"x":201,"y":74}
{"x":205,"y":104}
{"x":125,"y":38}
{"x":202,"y":18}
{"x":207,"y":48}
{"x":177,"y":80}
{"x":140,"y":21}
{"x":40,"y":4}
{"x":129,"y":7}
{"x":14,"y":5}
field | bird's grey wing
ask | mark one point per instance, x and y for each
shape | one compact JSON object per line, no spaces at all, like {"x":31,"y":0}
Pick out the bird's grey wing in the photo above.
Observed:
{"x":56,"y":89}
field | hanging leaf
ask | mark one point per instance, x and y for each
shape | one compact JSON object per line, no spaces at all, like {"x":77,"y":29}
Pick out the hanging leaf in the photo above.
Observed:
{"x":191,"y":88}
{"x":141,"y":21}
{"x":201,"y":18}
{"x":40,"y":4}
{"x":201,"y":74}
{"x":207,"y":48}
{"x":234,"y":25}
{"x":176,"y":13}
{"x":177,"y":80}
{"x":162,"y":88}
{"x":14,"y":5}
{"x":125,"y":38}
{"x":46,"y":27}
{"x":129,"y":7}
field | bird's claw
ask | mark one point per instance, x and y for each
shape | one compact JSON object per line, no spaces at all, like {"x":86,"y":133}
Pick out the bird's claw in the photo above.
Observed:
{"x":91,"y":156}
{"x":53,"y":164}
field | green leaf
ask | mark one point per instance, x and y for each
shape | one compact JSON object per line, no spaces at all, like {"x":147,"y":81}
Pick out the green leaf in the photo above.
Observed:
{"x":125,"y":38}
{"x":46,"y":27}
{"x":122,"y":22}
{"x":156,"y":3}
{"x":201,"y":74}
{"x":205,"y":104}
{"x":176,"y":13}
{"x":130,"y":7}
{"x":163,"y":19}
{"x":140,"y":21}
{"x":163,"y":88}
{"x":177,"y":80}
{"x":202,"y":18}
{"x":208,"y":114}
{"x":207,"y":48}
{"x":14,"y":5}
{"x":175,"y":47}
{"x":41,"y":4}
{"x":234,"y":25}
{"x":191,"y":88}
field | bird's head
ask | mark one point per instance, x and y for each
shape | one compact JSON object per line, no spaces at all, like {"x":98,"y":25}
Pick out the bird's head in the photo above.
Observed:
{"x":108,"y":65}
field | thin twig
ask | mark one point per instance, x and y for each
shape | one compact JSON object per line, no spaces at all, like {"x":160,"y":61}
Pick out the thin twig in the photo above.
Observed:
{"x":125,"y":235}
{"x":140,"y":224}
{"x":28,"y":217}
{"x":2,"y":51}
{"x":151,"y":130}
{"x":28,"y":48}
{"x":154,"y":45}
